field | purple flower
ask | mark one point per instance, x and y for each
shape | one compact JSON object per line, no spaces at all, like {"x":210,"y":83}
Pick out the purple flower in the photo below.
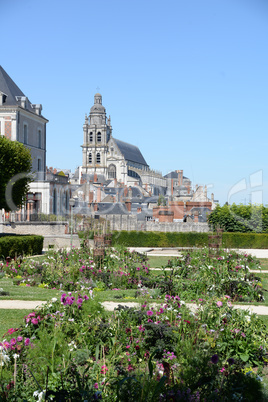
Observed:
{"x":96,"y":385}
{"x":230,"y":361}
{"x":68,"y":301}
{"x":150,"y":312}
{"x":215,"y":359}
{"x":86,"y":297}
{"x":19,"y":338}
{"x":27,"y":341}
{"x":219,"y":303}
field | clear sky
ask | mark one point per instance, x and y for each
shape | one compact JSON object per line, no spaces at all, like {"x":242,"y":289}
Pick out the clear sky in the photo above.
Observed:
{"x":185,"y":80}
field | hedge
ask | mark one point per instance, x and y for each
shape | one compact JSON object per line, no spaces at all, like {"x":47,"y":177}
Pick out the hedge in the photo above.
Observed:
{"x":187,"y":239}
{"x":12,"y":246}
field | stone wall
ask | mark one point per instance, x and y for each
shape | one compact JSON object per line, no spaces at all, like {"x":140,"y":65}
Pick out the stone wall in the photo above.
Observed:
{"x":129,"y":222}
{"x":36,"y":228}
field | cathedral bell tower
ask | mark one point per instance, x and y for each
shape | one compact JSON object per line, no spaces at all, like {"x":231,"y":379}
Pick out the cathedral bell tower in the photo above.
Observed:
{"x":97,"y":132}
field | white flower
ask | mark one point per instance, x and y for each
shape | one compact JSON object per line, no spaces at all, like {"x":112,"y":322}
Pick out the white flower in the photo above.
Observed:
{"x":54,"y":299}
{"x":16,"y":356}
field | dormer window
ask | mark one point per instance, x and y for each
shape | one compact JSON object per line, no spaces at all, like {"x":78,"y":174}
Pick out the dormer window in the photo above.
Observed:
{"x":99,"y":137}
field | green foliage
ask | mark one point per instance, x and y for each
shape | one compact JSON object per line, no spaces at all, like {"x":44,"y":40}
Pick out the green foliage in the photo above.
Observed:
{"x":161,"y":201}
{"x":159,"y":239}
{"x":240,"y":218}
{"x":187,"y":239}
{"x":15,"y":159}
{"x":12,"y":246}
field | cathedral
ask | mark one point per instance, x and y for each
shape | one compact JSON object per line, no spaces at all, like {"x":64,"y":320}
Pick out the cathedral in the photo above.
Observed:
{"x":113,"y":159}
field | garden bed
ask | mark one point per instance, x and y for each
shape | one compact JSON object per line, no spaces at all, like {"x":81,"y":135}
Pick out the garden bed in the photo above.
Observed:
{"x":72,"y":349}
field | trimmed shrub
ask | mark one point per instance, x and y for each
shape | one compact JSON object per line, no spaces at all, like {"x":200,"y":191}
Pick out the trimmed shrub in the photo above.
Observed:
{"x":187,"y":239}
{"x":12,"y":246}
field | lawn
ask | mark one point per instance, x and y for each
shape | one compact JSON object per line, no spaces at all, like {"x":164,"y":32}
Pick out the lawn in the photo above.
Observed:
{"x":11,"y":319}
{"x":26,"y":292}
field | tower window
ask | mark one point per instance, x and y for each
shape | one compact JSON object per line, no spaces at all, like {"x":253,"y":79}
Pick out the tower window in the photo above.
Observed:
{"x":90,"y":136}
{"x":90,"y":158}
{"x":99,"y":137}
{"x":98,"y":158}
{"x":39,"y":167}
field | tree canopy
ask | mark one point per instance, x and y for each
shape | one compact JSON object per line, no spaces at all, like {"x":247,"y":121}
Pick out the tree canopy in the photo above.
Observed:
{"x":240,"y":218}
{"x":15,"y":169}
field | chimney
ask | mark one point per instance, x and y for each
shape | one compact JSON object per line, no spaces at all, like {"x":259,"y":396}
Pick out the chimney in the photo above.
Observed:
{"x":125,"y":191}
{"x":98,"y":194}
{"x":90,"y":197}
{"x":128,"y":205}
{"x":139,"y":210}
{"x":95,"y":177}
{"x":212,"y":197}
{"x":95,"y":206}
{"x":196,"y":216}
{"x":115,"y":182}
{"x":180,"y":177}
{"x":172,"y":187}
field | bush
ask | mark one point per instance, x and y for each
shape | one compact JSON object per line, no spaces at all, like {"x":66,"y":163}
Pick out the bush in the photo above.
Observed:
{"x":187,"y":239}
{"x":11,"y":246}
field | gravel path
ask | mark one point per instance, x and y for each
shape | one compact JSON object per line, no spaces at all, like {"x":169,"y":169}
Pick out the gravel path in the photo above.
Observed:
{"x":110,"y":306}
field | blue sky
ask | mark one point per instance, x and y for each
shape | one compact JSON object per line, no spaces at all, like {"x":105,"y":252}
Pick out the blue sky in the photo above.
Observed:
{"x":186,"y":81}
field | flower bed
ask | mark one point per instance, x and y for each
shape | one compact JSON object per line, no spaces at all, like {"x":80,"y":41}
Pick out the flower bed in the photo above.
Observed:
{"x":193,"y":276}
{"x":71,"y":349}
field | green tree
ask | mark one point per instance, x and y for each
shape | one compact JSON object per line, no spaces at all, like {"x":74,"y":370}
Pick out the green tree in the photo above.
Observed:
{"x":161,"y":200}
{"x":240,"y":218}
{"x":15,"y":169}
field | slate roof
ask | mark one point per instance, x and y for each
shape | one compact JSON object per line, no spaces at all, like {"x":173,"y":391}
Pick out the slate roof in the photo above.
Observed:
{"x":173,"y":175}
{"x":8,"y":86}
{"x":111,"y":208}
{"x":130,"y":152}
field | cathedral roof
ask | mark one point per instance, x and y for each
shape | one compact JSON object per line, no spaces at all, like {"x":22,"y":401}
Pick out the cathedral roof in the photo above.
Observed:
{"x":130,"y":152}
{"x":9,"y":88}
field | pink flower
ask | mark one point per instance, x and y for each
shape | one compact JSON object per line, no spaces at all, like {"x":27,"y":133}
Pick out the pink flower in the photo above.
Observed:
{"x":13,"y":341}
{"x":27,"y":341}
{"x":104,"y":368}
{"x":219,"y":303}
{"x":128,"y":346}
{"x":34,"y":321}
{"x":150,"y":312}
{"x":96,"y":385}
{"x":222,"y":369}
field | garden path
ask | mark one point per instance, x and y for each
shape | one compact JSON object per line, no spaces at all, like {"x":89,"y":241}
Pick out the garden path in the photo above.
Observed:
{"x":110,"y":306}
{"x":175,"y":252}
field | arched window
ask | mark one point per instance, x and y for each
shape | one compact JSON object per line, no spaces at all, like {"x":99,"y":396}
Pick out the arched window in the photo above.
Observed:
{"x":90,"y":158}
{"x":98,"y":158}
{"x":90,"y":136}
{"x":112,"y":172}
{"x":99,"y":137}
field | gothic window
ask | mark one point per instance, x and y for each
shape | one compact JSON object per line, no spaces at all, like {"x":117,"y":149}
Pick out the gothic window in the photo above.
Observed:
{"x":99,"y":137}
{"x":98,"y":158}
{"x":90,"y":158}
{"x":25,"y":134}
{"x":90,"y":136}
{"x":112,"y":172}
